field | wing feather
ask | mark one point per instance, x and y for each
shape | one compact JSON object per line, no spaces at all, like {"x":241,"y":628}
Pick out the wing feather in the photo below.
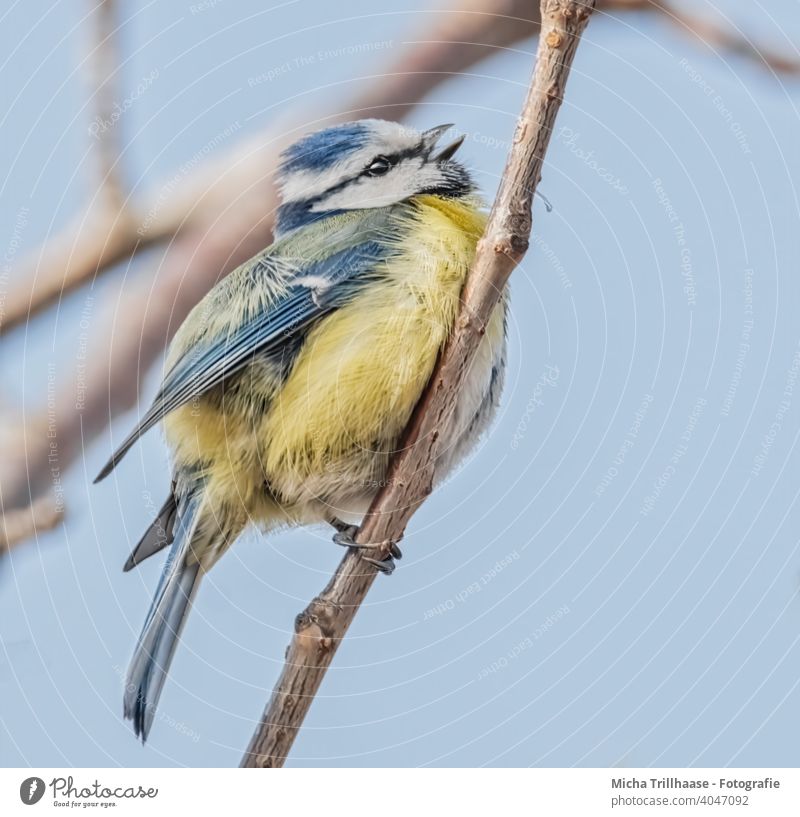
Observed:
{"x":315,"y":290}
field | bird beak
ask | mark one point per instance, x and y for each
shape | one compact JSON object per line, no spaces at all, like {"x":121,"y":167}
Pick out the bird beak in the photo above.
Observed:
{"x":431,"y":137}
{"x":447,"y":152}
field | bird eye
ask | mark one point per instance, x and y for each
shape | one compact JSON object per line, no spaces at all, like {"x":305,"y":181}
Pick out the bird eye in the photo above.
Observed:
{"x":380,"y":165}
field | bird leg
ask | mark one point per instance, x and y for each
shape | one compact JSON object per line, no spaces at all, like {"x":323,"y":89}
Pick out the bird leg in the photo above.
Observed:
{"x":345,"y":534}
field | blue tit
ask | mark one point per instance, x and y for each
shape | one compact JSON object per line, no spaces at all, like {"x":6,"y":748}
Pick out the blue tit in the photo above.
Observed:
{"x":288,"y":387}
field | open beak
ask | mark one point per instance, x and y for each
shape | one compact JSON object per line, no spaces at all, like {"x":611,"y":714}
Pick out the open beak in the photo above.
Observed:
{"x":447,"y":152}
{"x":431,"y":137}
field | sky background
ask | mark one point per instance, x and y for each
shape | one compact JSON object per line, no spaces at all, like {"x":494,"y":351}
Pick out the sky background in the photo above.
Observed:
{"x":612,"y":579}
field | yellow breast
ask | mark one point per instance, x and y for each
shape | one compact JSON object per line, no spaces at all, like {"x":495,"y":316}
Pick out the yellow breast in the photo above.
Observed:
{"x":361,"y":372}
{"x":327,"y":433}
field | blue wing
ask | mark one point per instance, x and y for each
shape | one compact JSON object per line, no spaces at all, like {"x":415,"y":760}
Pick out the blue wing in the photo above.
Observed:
{"x":318,"y":288}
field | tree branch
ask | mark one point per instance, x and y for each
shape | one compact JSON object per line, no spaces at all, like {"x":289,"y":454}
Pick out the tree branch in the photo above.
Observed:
{"x":103,"y":67}
{"x":320,"y":628}
{"x":106,"y":231}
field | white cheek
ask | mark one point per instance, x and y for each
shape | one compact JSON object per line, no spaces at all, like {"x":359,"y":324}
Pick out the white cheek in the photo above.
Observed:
{"x":365,"y":193}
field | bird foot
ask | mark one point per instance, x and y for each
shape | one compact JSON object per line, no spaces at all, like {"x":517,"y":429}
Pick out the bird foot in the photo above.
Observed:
{"x":345,"y":534}
{"x":345,"y":537}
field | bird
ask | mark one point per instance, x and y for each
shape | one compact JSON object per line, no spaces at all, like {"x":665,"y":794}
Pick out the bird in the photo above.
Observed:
{"x":288,"y":386}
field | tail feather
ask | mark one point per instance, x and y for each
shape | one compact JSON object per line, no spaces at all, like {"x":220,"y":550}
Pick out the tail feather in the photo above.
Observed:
{"x":157,"y":536}
{"x":165,"y":619}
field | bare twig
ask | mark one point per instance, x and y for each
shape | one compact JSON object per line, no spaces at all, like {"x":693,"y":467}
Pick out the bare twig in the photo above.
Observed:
{"x":323,"y":624}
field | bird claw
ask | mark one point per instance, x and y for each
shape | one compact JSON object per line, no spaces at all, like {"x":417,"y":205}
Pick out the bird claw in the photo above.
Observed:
{"x":345,"y":537}
{"x":385,"y":566}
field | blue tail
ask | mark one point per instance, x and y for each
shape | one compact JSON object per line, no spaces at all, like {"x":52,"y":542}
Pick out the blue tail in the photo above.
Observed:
{"x":162,"y":627}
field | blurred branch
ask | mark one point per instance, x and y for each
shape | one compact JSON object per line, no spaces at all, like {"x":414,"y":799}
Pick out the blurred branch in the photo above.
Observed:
{"x":720,"y":37}
{"x":74,"y":257}
{"x":42,"y":514}
{"x":106,"y":233}
{"x":103,"y":67}
{"x":320,"y":628}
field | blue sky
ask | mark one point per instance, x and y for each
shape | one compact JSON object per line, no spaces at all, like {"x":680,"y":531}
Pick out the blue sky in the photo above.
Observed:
{"x":612,"y":578}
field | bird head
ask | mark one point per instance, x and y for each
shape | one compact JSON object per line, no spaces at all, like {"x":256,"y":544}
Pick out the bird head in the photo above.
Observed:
{"x":370,"y":163}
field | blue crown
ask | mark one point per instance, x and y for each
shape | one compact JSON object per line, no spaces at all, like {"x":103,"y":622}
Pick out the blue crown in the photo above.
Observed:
{"x":319,"y":151}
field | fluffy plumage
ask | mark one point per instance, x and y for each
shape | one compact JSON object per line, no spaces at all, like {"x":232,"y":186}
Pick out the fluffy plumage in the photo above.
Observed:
{"x":289,"y":385}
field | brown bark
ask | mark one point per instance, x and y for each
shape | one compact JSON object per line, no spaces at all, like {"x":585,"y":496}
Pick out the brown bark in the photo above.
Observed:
{"x":323,"y":624}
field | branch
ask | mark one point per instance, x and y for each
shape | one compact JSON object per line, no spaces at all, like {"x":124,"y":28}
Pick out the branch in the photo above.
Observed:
{"x":320,"y":628}
{"x":105,"y":233}
{"x":103,"y":66}
{"x":41,"y":515}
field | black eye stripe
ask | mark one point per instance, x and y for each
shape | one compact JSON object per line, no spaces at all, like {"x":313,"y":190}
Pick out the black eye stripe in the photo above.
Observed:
{"x":397,"y":157}
{"x":394,"y":158}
